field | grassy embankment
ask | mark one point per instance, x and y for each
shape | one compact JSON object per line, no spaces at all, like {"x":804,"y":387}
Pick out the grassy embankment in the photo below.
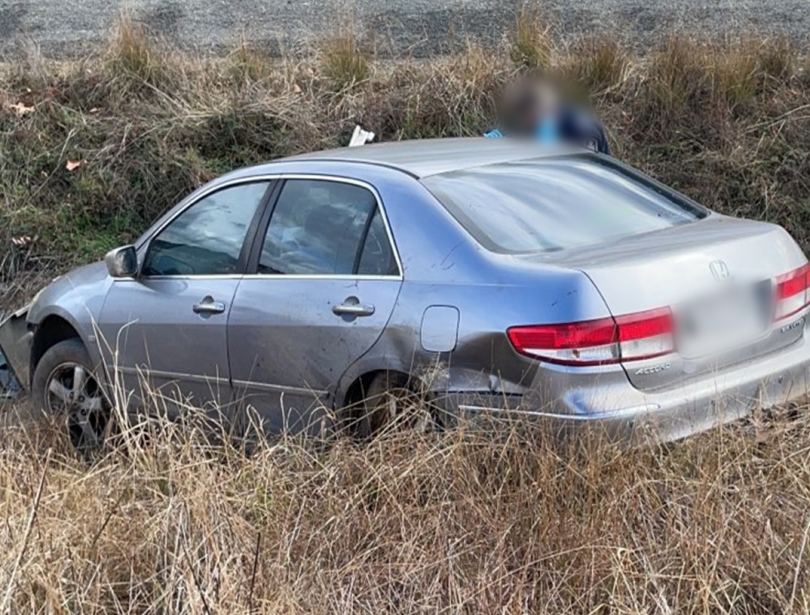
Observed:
{"x":461,"y":522}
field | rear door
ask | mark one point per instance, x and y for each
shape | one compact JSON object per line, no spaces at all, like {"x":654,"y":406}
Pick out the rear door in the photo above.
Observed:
{"x":166,"y":329}
{"x":324,"y":280}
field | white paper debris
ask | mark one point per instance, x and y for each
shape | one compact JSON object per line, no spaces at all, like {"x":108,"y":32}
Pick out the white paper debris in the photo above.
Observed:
{"x":360,"y":137}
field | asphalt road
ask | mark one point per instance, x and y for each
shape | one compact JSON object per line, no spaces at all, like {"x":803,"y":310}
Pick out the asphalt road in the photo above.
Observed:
{"x":418,"y":27}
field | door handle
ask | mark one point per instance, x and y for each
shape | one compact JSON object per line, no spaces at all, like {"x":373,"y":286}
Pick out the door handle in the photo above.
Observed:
{"x":209,"y":306}
{"x":353,"y":308}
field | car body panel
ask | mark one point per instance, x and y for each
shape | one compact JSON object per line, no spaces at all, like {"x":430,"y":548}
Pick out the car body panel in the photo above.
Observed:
{"x":77,"y":297}
{"x":427,"y":157}
{"x":610,"y":403}
{"x":288,"y":349}
{"x":156,"y":344}
{"x":483,"y":360}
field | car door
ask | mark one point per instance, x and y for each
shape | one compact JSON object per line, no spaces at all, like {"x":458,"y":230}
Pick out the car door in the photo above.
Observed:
{"x":166,"y":329}
{"x":324,"y":280}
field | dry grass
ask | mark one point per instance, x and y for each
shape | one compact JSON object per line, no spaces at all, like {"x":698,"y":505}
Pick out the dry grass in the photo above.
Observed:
{"x":249,"y":65}
{"x":736,"y":76}
{"x":132,"y":55}
{"x":344,"y":64}
{"x":597,"y":65}
{"x":461,"y":522}
{"x":530,"y":43}
{"x":778,"y":59}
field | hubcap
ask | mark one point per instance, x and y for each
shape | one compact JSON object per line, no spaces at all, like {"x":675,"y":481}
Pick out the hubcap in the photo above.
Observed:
{"x":74,"y":393}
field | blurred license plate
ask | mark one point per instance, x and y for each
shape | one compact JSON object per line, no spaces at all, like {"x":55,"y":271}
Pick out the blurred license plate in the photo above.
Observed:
{"x":731,"y":318}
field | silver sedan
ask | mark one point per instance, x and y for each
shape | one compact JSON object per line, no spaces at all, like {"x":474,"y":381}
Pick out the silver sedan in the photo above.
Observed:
{"x":493,"y":276}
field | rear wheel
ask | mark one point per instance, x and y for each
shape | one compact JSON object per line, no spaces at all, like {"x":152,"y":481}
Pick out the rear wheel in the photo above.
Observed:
{"x":65,"y":385}
{"x":391,"y":403}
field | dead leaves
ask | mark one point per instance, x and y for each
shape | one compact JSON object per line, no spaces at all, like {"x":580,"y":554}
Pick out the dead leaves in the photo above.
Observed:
{"x":22,"y":240}
{"x":20,"y":109}
{"x":72,"y":165}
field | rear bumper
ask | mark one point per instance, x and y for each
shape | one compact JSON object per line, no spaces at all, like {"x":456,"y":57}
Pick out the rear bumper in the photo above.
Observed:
{"x":625,"y":413}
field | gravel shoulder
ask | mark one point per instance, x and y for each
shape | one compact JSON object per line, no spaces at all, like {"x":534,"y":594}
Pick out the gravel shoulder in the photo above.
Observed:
{"x":398,"y":27}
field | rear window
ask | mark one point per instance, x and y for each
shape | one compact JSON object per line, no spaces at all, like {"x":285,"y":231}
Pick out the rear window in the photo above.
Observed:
{"x":553,"y":204}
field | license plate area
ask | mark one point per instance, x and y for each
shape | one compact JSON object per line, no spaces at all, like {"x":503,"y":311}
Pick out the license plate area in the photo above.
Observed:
{"x":732,"y":317}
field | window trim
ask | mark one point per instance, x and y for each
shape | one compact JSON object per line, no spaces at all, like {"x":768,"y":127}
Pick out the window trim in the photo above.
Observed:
{"x":261,"y":232}
{"x":272,"y":181}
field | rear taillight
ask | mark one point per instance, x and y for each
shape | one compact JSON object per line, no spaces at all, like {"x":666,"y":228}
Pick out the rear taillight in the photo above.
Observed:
{"x":792,"y":292}
{"x":631,"y":337}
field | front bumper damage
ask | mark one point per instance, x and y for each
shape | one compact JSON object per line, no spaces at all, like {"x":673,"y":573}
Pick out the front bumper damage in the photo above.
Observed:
{"x":15,"y":353}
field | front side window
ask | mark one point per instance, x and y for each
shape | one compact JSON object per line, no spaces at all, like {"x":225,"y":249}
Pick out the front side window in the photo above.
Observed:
{"x":207,"y":238}
{"x":321,"y":227}
{"x":553,"y":204}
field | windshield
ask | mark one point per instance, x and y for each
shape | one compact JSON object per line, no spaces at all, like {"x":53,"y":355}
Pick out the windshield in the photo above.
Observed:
{"x":553,"y":204}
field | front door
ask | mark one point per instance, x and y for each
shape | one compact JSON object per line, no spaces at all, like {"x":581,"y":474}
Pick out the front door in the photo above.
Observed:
{"x":325,"y":278}
{"x":165,"y":331}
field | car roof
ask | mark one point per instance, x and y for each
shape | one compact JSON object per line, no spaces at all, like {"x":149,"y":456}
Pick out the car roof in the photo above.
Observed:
{"x":425,"y":157}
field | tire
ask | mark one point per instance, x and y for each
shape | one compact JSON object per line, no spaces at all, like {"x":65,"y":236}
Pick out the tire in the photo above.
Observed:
{"x":66,"y":385}
{"x":391,"y":404}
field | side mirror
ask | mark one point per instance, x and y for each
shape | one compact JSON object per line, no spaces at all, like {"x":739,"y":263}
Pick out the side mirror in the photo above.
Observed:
{"x":122,"y":262}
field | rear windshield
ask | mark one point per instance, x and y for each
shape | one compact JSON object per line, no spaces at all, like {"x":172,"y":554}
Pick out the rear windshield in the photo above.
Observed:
{"x":553,"y":204}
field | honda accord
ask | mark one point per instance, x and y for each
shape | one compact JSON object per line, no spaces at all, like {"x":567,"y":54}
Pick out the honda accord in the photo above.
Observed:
{"x":498,"y":277}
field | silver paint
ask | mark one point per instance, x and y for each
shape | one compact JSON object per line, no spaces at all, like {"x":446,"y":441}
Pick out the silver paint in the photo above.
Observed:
{"x":278,"y":349}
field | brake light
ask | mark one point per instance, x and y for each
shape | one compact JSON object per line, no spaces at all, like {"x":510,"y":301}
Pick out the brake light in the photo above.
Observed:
{"x":792,"y":292}
{"x":631,"y":337}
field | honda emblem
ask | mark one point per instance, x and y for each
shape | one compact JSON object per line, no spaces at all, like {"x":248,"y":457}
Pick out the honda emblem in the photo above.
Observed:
{"x":719,"y":270}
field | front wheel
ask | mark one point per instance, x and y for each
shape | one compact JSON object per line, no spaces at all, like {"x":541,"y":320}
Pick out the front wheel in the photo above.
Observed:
{"x":65,"y":385}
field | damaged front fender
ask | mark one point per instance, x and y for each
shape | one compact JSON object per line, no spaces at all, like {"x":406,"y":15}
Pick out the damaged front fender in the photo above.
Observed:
{"x":15,"y":344}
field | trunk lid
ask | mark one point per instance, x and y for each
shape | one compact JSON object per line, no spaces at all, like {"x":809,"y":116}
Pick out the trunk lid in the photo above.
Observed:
{"x":717,"y":275}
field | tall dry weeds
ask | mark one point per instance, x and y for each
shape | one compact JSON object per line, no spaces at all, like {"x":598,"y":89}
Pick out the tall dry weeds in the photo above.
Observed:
{"x":467,"y":521}
{"x":530,"y":45}
{"x":132,"y":55}
{"x":597,"y":65}
{"x":344,"y":63}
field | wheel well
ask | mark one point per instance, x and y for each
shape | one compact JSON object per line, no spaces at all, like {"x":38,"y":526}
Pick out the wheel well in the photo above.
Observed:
{"x":356,"y":390}
{"x":50,"y":332}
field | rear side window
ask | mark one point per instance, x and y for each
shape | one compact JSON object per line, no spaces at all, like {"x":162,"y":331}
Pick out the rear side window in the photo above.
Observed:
{"x":321,"y":227}
{"x":207,"y":238}
{"x":553,"y":204}
{"x":377,"y":257}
